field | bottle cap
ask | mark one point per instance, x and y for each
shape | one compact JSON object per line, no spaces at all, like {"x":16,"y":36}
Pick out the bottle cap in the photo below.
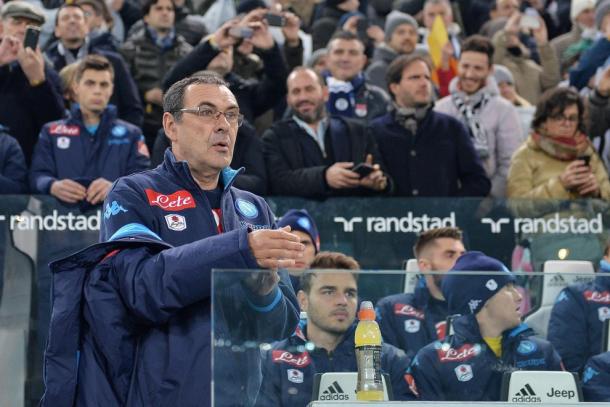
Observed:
{"x":366,"y":313}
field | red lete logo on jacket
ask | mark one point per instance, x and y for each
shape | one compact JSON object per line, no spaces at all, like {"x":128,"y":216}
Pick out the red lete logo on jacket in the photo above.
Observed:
{"x":64,"y":130}
{"x":300,"y":360}
{"x":408,"y":310}
{"x":177,"y":201}
{"x":597,"y":296}
{"x":458,"y":355}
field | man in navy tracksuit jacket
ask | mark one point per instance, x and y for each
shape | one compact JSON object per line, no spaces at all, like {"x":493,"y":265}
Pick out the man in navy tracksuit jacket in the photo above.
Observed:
{"x":330,"y":300}
{"x":577,"y":318}
{"x":488,"y":340}
{"x":596,"y":378}
{"x":78,"y":158}
{"x":13,"y":172}
{"x":143,"y":338}
{"x":410,"y":321}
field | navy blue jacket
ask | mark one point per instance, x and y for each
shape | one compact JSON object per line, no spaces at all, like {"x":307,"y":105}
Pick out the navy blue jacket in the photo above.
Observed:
{"x":288,"y":360}
{"x":439,"y":160}
{"x":577,"y":319}
{"x":596,"y":378}
{"x":24,"y":109}
{"x":464,"y":368}
{"x":296,"y":165}
{"x":411,"y":321}
{"x":145,"y":327}
{"x":67,"y":150}
{"x":593,"y":58}
{"x":13,"y":172}
{"x":125,"y":96}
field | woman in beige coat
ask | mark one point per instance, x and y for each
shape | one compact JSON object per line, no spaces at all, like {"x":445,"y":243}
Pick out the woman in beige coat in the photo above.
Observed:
{"x":557,"y":160}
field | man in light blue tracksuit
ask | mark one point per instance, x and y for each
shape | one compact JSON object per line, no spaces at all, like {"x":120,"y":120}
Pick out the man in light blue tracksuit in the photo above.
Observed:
{"x":131,"y":317}
{"x":488,"y":340}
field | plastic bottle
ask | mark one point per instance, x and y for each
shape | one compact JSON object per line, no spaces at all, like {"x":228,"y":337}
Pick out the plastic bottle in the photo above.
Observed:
{"x":368,"y":355}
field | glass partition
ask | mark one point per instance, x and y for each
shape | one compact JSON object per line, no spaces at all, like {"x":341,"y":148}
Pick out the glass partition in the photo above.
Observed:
{"x":267,"y":350}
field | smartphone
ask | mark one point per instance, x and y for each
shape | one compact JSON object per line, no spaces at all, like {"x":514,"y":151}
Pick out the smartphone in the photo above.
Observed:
{"x":585,"y":158}
{"x":275,"y":20}
{"x":361,"y":26}
{"x":529,"y":19}
{"x":32,"y":33}
{"x":363,"y":169}
{"x":241,"y":32}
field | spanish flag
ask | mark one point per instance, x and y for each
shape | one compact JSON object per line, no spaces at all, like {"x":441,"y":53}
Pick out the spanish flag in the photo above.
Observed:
{"x":436,"y":40}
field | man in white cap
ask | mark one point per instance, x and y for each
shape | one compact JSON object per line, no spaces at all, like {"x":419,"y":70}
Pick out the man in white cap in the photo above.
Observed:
{"x":582,"y":14}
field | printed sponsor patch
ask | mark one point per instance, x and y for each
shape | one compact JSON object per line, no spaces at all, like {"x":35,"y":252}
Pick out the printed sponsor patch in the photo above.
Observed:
{"x":63,"y":142}
{"x":441,"y":330}
{"x":602,"y":297}
{"x":295,"y":376}
{"x":463,"y":373}
{"x":412,"y":325}
{"x":462,"y":354}
{"x":64,"y":129}
{"x":408,"y":310}
{"x":175,"y":222}
{"x":282,"y":356}
{"x":177,"y":201}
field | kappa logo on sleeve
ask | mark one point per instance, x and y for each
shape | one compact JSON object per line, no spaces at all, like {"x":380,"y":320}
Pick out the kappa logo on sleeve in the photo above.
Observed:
{"x":408,"y":311}
{"x":177,"y":201}
{"x":64,"y":130}
{"x":282,"y":356}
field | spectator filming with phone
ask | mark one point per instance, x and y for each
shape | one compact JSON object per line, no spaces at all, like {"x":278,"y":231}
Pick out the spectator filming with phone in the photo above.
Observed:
{"x":557,"y":160}
{"x":316,"y":155}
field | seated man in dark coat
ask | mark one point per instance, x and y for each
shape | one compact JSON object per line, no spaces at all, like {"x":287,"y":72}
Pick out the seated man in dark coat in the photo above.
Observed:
{"x":313,"y":154}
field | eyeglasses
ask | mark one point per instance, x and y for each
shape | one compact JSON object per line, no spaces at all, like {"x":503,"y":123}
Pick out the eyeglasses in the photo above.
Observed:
{"x":563,"y":118}
{"x":208,"y":114}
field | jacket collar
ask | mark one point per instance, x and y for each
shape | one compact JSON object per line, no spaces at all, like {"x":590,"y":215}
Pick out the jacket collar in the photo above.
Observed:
{"x":182,"y":170}
{"x":299,"y":337}
{"x":467,"y":327}
{"x":422,"y":295}
{"x":108,"y":115}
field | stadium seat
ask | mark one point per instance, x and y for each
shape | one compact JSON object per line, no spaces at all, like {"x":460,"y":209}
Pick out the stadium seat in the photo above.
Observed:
{"x":552,"y":285}
{"x":341,"y":386}
{"x":412,"y":275}
{"x":530,"y":386}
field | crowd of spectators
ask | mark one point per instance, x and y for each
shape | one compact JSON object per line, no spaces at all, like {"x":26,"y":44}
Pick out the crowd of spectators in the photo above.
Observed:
{"x":340,"y":98}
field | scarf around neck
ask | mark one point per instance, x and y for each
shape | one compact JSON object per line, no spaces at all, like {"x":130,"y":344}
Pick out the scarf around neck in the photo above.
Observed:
{"x":470,"y":107}
{"x":342,"y":96}
{"x":560,"y":147}
{"x":410,"y":117}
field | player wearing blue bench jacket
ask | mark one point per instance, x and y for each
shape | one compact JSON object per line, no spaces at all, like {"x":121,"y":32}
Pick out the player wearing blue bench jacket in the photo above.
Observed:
{"x":411,"y":321}
{"x":77,"y":159}
{"x":577,"y":318}
{"x":143,"y":335}
{"x":596,"y":378}
{"x":488,"y":340}
{"x":330,"y":300}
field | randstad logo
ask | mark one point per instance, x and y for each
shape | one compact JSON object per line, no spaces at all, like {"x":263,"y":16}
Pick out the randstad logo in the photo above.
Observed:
{"x":552,"y":224}
{"x":392,"y":224}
